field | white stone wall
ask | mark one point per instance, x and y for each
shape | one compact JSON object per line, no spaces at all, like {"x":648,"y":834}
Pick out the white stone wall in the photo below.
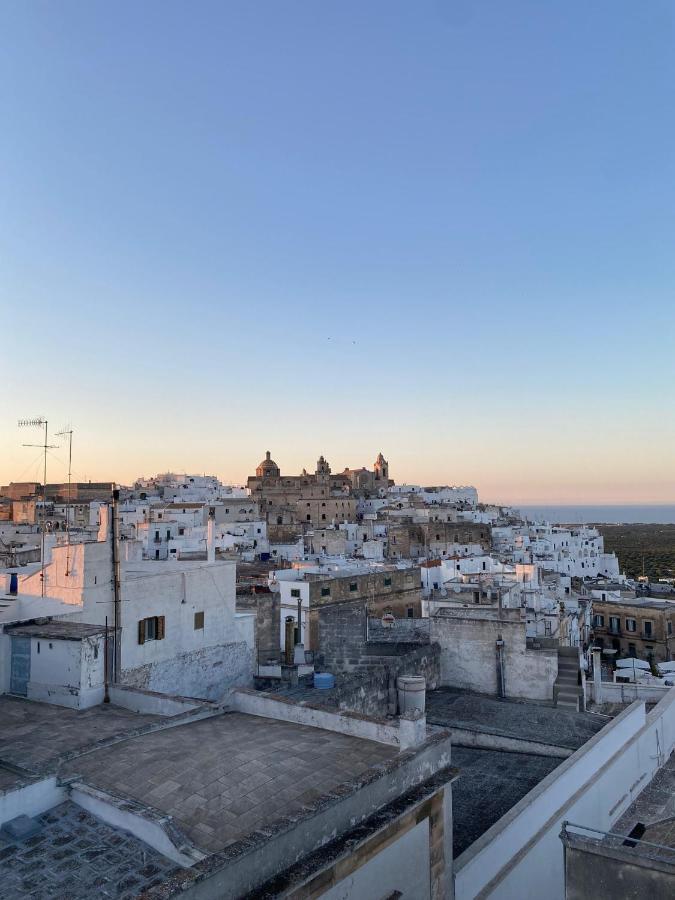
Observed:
{"x":469,"y":657}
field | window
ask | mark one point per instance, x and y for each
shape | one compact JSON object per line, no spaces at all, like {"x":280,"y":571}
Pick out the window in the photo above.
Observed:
{"x":325,"y":592}
{"x":648,"y":628}
{"x":632,"y":651}
{"x":614,"y":623}
{"x":631,"y":625}
{"x":309,"y":518}
{"x":598,"y":621}
{"x":353,"y":586}
{"x":295,"y":592}
{"x":387,"y":582}
{"x":411,"y":612}
{"x":670,"y":627}
{"x":323,"y":515}
{"x":181,"y":531}
{"x":199,"y":621}
{"x":151,"y":629}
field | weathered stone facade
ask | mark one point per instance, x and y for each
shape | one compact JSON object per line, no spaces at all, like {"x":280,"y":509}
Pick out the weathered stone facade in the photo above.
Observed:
{"x":267,"y":608}
{"x":206,"y":674}
{"x":390,"y":590}
{"x":409,"y":540}
{"x":320,"y":498}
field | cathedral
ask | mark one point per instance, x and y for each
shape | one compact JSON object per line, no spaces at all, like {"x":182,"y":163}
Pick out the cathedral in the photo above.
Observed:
{"x":321,"y":498}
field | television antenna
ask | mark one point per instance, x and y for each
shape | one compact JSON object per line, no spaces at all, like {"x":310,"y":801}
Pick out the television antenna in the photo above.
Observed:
{"x":68,"y":431}
{"x":41,"y":422}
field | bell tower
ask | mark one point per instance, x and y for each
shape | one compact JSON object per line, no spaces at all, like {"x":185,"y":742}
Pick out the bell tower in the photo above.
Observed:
{"x":381,"y":469}
{"x":322,"y":470}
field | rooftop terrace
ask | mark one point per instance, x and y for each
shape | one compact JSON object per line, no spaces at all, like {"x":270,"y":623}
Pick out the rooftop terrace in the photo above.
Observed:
{"x":225,"y":777}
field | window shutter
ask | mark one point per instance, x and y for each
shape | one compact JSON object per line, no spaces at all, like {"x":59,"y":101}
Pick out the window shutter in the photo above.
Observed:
{"x":160,"y":628}
{"x":141,"y":631}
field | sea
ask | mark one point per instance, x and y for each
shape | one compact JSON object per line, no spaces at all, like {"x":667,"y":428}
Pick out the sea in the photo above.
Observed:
{"x":657,"y":514}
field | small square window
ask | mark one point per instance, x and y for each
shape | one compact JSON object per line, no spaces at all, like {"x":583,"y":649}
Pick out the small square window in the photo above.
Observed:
{"x":353,"y":586}
{"x":387,"y":582}
{"x":295,"y":592}
{"x":325,"y":592}
{"x":199,"y":621}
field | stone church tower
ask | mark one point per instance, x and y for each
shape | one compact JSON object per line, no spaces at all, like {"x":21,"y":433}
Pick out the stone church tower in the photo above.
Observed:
{"x":381,"y":469}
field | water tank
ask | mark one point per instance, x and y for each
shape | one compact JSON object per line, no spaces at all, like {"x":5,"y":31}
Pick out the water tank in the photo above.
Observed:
{"x":324,"y":681}
{"x":411,"y":693}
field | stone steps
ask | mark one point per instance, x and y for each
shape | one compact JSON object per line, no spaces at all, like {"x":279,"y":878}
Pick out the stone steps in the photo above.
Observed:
{"x":566,"y":690}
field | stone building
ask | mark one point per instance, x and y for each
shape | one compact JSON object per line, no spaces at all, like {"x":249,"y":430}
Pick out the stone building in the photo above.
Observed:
{"x":642,"y":628}
{"x":318,"y":498}
{"x":410,"y":540}
{"x":397,"y":592}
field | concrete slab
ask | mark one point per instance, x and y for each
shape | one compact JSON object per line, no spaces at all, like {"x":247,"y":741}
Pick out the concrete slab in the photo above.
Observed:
{"x":490,"y":782}
{"x":510,"y":718}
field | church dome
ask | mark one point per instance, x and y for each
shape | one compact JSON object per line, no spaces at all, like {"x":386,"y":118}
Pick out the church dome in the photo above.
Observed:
{"x":267,"y":467}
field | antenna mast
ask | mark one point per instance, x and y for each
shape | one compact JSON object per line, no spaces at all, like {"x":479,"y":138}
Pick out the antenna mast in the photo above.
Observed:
{"x":69,"y":432}
{"x":41,"y":422}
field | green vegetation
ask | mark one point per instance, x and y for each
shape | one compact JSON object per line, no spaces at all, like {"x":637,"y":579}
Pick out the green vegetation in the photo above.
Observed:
{"x":642,"y":549}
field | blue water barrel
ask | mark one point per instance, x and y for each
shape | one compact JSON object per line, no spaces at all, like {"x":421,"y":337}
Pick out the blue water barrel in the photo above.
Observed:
{"x":13,"y":583}
{"x":324,"y":681}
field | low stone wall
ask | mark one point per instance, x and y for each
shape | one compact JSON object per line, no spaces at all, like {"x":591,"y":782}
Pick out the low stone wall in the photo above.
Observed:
{"x":368,"y":692}
{"x":622,"y":692}
{"x":395,"y":732}
{"x":413,"y":631}
{"x":150,"y":702}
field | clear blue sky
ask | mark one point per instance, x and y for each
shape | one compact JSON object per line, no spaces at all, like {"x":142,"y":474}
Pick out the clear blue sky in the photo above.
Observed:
{"x":443,"y":230}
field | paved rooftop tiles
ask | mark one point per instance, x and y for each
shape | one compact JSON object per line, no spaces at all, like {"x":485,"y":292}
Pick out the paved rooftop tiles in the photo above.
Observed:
{"x":225,"y":777}
{"x":34,"y":735}
{"x":75,"y":856}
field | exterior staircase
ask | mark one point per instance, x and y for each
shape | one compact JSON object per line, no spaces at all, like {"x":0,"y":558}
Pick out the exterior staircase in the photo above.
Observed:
{"x":567,"y":691}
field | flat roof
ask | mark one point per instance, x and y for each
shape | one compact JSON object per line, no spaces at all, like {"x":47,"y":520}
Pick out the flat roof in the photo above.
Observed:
{"x":75,"y":855}
{"x":655,"y":809}
{"x":225,"y":777}
{"x":490,"y":783}
{"x":511,"y":718}
{"x":57,"y":630}
{"x":36,"y":737}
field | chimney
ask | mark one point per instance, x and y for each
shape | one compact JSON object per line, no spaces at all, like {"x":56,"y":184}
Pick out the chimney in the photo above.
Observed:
{"x":104,"y":523}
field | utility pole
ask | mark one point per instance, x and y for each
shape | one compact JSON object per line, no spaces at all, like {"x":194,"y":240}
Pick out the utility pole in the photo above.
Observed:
{"x":117,"y":623}
{"x":41,"y":422}
{"x":69,"y":432}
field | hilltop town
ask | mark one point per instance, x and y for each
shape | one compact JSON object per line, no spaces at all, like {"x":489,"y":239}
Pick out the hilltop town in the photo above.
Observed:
{"x":325,"y":684}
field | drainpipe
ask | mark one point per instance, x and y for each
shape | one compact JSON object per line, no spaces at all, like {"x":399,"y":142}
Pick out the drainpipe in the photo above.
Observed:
{"x":501,"y":681}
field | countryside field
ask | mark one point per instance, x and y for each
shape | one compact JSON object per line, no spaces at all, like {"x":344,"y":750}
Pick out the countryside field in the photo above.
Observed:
{"x":642,"y":549}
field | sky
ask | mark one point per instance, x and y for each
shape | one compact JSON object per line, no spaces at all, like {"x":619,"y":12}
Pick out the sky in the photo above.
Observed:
{"x":442,"y":230}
